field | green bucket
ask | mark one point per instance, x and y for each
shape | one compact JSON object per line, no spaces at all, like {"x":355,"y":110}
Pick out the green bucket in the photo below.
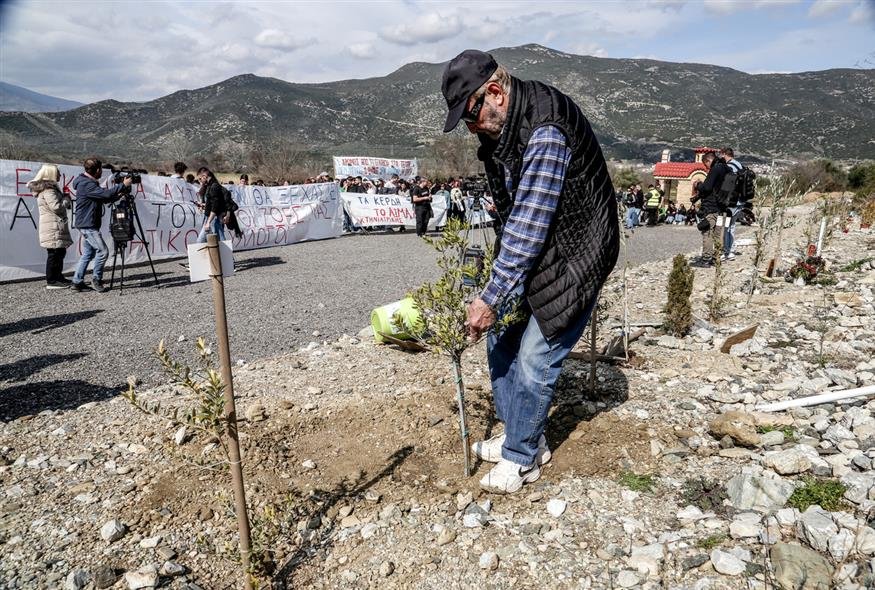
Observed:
{"x":381,"y":319}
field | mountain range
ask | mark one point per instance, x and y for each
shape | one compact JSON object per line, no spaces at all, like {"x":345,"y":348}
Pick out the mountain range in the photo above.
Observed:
{"x":16,"y":98}
{"x":636,"y":106}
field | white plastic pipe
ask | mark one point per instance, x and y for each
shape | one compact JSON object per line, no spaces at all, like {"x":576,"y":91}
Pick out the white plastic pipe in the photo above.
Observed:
{"x":820,"y":235}
{"x":814,"y":400}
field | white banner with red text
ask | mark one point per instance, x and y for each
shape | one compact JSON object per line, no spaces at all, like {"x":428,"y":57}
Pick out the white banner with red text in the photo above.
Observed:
{"x":374,"y":167}
{"x":367,"y":210}
{"x":268,"y":216}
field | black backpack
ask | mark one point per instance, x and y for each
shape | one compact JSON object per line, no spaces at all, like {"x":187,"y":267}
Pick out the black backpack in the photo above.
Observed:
{"x":629,"y":199}
{"x":726,"y":193}
{"x":746,"y":185}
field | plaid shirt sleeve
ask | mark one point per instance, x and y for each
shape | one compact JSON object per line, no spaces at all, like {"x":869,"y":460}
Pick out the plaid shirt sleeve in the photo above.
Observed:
{"x":537,"y":196}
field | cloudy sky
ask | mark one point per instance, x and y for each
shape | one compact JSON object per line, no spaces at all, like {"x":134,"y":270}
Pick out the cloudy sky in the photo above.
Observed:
{"x":140,"y":50}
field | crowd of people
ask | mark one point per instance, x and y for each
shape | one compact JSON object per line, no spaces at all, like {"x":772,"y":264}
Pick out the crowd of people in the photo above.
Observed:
{"x":652,"y":208}
{"x":725,"y":193}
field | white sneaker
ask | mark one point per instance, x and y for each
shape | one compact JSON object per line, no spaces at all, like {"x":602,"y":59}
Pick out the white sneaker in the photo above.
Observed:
{"x":490,"y":450}
{"x":729,"y":256}
{"x":507,"y":477}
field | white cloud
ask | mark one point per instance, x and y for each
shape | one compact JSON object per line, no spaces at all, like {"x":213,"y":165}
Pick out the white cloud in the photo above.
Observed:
{"x":863,"y":13}
{"x":589,"y":49}
{"x":732,"y":6}
{"x":361,"y":50}
{"x":824,"y":7}
{"x":428,"y":28}
{"x":288,"y":40}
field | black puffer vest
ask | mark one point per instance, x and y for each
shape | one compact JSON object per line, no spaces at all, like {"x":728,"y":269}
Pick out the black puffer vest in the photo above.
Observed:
{"x":584,"y":238}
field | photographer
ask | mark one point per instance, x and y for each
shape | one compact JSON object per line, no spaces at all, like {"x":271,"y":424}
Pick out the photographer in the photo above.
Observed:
{"x":214,"y":206}
{"x":88,"y":215}
{"x":710,"y":208}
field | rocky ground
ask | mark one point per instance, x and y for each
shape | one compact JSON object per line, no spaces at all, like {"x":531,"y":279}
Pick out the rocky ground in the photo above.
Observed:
{"x":665,"y":476}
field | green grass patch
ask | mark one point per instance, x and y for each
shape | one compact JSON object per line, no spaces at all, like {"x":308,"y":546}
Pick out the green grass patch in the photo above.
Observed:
{"x":855,"y":265}
{"x":788,"y":432}
{"x":711,"y":541}
{"x":826,"y":493}
{"x":705,"y":494}
{"x":637,"y":483}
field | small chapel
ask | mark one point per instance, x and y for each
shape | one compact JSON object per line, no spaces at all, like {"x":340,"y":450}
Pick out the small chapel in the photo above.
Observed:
{"x":677,"y":178}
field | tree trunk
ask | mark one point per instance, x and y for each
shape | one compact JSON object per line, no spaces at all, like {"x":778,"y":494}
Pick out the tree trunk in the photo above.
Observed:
{"x":463,"y":423}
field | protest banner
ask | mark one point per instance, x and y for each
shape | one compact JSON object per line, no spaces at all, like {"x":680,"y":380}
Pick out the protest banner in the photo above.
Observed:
{"x":369,"y":210}
{"x":268,"y":216}
{"x":374,"y":167}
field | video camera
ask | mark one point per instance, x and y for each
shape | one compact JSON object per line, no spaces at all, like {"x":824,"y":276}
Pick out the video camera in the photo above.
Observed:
{"x":476,"y":186}
{"x":123,"y":173}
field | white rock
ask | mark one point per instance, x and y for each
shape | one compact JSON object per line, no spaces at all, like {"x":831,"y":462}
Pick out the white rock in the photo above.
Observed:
{"x":837,"y":433}
{"x":150,"y":542}
{"x":472,"y":521}
{"x":113,"y":531}
{"x":181,"y":436}
{"x":171,"y":568}
{"x":726,"y":563}
{"x":788,"y":462}
{"x":865,"y":541}
{"x":489,"y":561}
{"x":841,"y":544}
{"x":646,"y":559}
{"x":145,"y":577}
{"x":309,"y":464}
{"x":76,"y":580}
{"x":690,"y":514}
{"x":787,"y":516}
{"x":627,"y":579}
{"x":816,"y":526}
{"x":369,"y":530}
{"x":556,"y":507}
{"x":745,"y":525}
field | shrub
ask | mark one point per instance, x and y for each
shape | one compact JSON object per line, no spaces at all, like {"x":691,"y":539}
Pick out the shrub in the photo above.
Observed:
{"x":826,"y":493}
{"x":678,"y":312}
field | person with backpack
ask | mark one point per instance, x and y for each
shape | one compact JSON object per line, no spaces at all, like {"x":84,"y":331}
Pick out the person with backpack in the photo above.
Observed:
{"x":740,"y":199}
{"x":214,"y":204}
{"x":710,"y":192}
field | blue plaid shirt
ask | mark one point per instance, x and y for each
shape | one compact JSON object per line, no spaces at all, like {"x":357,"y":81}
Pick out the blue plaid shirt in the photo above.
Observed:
{"x":525,"y":230}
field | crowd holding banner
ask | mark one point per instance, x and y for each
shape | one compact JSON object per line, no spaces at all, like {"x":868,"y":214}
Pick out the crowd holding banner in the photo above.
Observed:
{"x":268,"y":216}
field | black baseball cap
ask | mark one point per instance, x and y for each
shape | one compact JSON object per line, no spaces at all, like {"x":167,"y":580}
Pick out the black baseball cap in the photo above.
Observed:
{"x":465,"y":73}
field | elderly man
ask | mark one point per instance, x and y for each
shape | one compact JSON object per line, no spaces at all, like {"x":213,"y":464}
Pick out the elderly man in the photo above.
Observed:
{"x":558,"y":241}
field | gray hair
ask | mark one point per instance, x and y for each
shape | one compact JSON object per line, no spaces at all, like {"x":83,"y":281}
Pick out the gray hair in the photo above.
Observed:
{"x":501,"y":77}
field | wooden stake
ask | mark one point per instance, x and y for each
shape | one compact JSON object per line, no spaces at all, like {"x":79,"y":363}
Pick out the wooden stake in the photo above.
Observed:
{"x":463,"y":423}
{"x":230,"y":410}
{"x":592,"y":352}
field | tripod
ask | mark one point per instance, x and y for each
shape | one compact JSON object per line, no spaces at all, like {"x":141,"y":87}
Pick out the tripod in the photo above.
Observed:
{"x":477,"y":239}
{"x":124,"y":227}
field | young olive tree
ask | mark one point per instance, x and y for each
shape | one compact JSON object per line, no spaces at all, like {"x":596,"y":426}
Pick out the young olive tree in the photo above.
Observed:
{"x":442,"y":308}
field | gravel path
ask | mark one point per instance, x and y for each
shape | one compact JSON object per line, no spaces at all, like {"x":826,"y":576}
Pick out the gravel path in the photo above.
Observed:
{"x":60,"y":349}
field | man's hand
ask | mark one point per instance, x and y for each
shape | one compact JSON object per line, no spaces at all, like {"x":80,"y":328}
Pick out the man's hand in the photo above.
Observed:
{"x":480,"y":318}
{"x":127,"y":181}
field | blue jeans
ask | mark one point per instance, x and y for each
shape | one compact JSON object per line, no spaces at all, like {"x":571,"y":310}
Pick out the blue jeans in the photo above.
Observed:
{"x":93,"y":248}
{"x":216,"y":227}
{"x":631,"y":217}
{"x":729,"y":232}
{"x":524,"y":367}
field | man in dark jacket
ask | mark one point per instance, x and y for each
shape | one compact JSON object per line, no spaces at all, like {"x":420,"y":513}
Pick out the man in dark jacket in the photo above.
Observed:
{"x":710,"y":208}
{"x":88,"y":215}
{"x":559,"y":241}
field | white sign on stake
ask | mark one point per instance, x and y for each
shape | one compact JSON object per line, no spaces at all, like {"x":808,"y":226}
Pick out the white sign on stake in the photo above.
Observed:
{"x":199,"y":261}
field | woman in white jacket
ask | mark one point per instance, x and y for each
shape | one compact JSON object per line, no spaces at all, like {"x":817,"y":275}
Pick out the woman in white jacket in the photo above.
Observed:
{"x":54,"y":230}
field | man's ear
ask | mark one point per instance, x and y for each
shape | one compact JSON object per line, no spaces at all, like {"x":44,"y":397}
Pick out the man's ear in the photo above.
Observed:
{"x":497,"y":92}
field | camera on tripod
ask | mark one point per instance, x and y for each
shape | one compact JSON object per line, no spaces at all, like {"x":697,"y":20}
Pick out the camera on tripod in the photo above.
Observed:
{"x":121,"y":224}
{"x":476,"y":186}
{"x":123,"y":173}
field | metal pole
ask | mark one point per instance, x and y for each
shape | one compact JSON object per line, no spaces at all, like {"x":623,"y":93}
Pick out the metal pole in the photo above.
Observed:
{"x":463,"y":423}
{"x":230,"y":411}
